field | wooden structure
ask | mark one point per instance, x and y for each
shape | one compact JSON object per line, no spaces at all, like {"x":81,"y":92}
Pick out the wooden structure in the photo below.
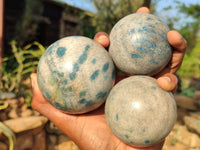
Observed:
{"x":58,"y":20}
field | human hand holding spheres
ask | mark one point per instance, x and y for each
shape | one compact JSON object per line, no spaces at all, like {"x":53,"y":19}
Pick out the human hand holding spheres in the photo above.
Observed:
{"x":65,"y":88}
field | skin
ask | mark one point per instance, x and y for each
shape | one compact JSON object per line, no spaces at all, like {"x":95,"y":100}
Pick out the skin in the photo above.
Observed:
{"x":90,"y":130}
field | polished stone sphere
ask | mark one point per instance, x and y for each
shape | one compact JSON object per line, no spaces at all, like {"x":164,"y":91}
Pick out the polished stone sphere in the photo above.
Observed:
{"x":139,"y":45}
{"x":75,"y":74}
{"x":139,"y":112}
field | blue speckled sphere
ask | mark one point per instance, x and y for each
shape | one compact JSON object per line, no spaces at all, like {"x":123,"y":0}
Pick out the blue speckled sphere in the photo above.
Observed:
{"x":139,"y":112}
{"x":139,"y":45}
{"x":75,"y":74}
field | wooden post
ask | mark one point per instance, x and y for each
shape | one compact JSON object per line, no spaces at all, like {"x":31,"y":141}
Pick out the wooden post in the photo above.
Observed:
{"x":1,"y":29}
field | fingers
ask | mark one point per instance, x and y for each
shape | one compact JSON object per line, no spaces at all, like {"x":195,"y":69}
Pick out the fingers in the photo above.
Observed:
{"x":37,"y":98}
{"x":38,"y":102}
{"x":34,"y":84}
{"x":168,"y":82}
{"x":177,"y":41}
{"x":143,"y":10}
{"x":102,"y":38}
{"x":179,"y":44}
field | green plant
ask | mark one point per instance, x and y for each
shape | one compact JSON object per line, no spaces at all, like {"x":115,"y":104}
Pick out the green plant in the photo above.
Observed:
{"x":5,"y":130}
{"x":9,"y":134}
{"x":18,"y":67}
{"x":189,"y":92}
{"x":191,"y":63}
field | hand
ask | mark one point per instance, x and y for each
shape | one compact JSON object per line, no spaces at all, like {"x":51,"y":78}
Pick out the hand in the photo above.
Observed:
{"x":90,"y":130}
{"x":166,"y":78}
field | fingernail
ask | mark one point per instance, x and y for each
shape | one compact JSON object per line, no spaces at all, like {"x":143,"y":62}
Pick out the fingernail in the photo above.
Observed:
{"x":102,"y":37}
{"x":167,"y":78}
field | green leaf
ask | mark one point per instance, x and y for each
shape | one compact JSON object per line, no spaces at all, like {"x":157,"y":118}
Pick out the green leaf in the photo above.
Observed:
{"x":3,"y":105}
{"x":9,"y":134}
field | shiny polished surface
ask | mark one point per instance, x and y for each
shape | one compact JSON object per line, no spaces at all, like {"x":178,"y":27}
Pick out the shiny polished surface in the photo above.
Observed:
{"x":75,"y":74}
{"x":139,"y":112}
{"x":139,"y":45}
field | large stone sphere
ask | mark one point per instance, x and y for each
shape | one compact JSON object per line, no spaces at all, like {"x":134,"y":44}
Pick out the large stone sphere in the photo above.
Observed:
{"x":75,"y":74}
{"x":139,"y":45}
{"x":139,"y":112}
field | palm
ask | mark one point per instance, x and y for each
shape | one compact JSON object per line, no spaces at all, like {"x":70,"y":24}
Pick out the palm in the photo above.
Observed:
{"x":89,"y":131}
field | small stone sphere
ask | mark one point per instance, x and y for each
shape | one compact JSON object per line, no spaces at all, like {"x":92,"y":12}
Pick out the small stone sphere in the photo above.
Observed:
{"x":139,"y":112}
{"x":139,"y":45}
{"x":75,"y":74}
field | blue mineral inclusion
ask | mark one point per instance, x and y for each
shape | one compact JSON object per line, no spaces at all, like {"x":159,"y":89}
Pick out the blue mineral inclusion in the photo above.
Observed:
{"x":61,"y":51}
{"x":152,"y":26}
{"x":50,"y":50}
{"x":82,"y":101}
{"x":153,"y":87}
{"x":153,"y":61}
{"x":83,"y":57}
{"x":69,"y":89}
{"x":113,"y":74}
{"x":126,"y":136}
{"x":60,"y":74}
{"x":47,"y":94}
{"x":146,"y":141}
{"x":170,"y":94}
{"x":106,"y":77}
{"x":72,"y":76}
{"x":94,"y":75}
{"x":101,"y":95}
{"x":83,"y":93}
{"x":89,"y":103}
{"x":65,"y":82}
{"x":117,"y":117}
{"x":133,"y":31}
{"x":59,"y":106}
{"x":135,"y":56}
{"x":94,"y":61}
{"x":75,"y":67}
{"x":142,"y":50}
{"x":105,"y":67}
{"x":86,"y":102}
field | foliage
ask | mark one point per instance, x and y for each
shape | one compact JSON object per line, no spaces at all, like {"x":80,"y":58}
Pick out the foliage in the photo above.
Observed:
{"x":110,"y":11}
{"x":9,"y":134}
{"x":5,"y":130}
{"x":82,"y":18}
{"x":191,"y":63}
{"x":26,"y":28}
{"x":189,"y":92}
{"x":17,"y":68}
{"x":190,"y":30}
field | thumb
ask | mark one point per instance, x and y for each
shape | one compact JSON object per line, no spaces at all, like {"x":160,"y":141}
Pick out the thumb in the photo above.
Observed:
{"x":37,"y":98}
{"x":168,"y":82}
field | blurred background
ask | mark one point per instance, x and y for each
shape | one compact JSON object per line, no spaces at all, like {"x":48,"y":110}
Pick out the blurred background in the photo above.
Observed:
{"x":28,"y":27}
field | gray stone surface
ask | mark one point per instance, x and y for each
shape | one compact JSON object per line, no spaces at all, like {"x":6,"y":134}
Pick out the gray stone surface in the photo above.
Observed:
{"x":192,"y":124}
{"x":7,"y":95}
{"x":75,"y":74}
{"x":185,"y":102}
{"x":139,"y":112}
{"x":139,"y":45}
{"x":26,"y":123}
